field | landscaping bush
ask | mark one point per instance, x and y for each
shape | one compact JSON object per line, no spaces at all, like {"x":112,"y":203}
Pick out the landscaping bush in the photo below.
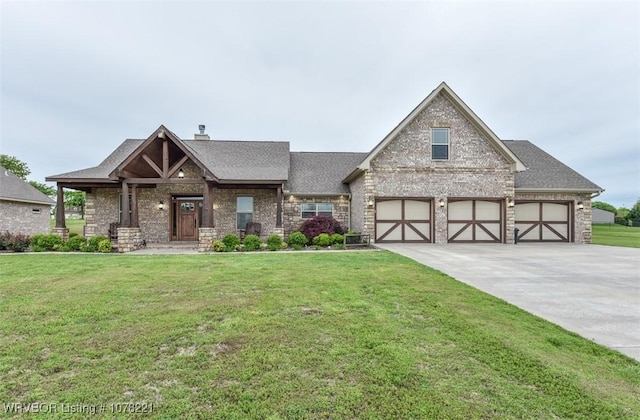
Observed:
{"x":94,"y":242}
{"x":336,"y":239}
{"x":621,"y":221}
{"x":297,"y":240}
{"x":105,"y":246}
{"x":218,"y":246}
{"x":320,"y":224}
{"x":49,"y":242}
{"x":322,"y":240}
{"x":252,"y":242}
{"x":72,"y":235}
{"x":274,"y":243}
{"x":16,"y":243}
{"x":76,"y":243}
{"x":231,"y":242}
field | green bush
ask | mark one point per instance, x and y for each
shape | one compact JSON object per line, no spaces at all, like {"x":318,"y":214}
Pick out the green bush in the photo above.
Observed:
{"x":72,"y":234}
{"x":323,"y":240}
{"x":94,"y":242}
{"x":284,"y":245}
{"x":252,"y":242}
{"x":50,"y":242}
{"x":217,"y":246}
{"x":231,"y":242}
{"x":105,"y":246}
{"x":76,"y":243}
{"x":336,"y":239}
{"x":274,"y":243}
{"x":16,"y":243}
{"x":297,"y":240}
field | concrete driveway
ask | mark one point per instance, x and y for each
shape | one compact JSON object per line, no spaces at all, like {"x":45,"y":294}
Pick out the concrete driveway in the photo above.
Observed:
{"x":592,"y":290}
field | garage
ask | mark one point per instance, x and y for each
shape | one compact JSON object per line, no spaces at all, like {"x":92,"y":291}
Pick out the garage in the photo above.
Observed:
{"x":543,"y":221}
{"x":474,"y":220}
{"x":403,"y":220}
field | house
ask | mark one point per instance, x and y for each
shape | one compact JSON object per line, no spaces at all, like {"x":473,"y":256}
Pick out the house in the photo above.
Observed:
{"x":600,"y":216}
{"x":23,"y":208}
{"x":440,"y":176}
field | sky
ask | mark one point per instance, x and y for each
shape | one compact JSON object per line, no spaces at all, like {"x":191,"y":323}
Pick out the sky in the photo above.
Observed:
{"x":79,"y":77}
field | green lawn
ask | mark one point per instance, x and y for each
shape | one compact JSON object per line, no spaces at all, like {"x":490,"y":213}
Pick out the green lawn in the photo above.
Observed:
{"x":290,"y":335}
{"x":616,"y":235}
{"x":74,"y":225}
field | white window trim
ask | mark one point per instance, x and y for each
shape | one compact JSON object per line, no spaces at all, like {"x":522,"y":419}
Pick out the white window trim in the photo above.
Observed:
{"x":302,"y":211}
{"x":253,"y":209}
{"x":448,"y":144}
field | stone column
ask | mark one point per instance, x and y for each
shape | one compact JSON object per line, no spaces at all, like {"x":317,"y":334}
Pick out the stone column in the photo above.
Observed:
{"x":129,"y":239}
{"x":207,"y":235}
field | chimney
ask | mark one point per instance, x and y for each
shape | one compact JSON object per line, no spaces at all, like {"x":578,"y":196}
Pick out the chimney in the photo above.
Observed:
{"x":201,"y":135}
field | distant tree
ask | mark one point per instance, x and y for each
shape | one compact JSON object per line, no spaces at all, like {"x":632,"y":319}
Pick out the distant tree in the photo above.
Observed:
{"x":44,"y":188}
{"x":604,"y":206}
{"x":75,"y":199}
{"x":15,"y":165}
{"x":623,"y":212}
{"x":634,"y":214}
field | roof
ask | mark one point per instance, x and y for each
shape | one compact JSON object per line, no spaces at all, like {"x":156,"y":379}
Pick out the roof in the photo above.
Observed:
{"x":444,"y":89}
{"x":321,"y":172}
{"x":12,"y":188}
{"x":544,"y":172}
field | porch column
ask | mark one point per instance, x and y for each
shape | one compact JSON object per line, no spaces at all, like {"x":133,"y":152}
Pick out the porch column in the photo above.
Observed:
{"x":279,"y":207}
{"x":134,"y":206}
{"x":126,"y":217}
{"x":60,"y":219}
{"x":207,"y":211}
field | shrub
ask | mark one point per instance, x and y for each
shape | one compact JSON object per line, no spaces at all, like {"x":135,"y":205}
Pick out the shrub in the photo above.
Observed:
{"x":274,"y":242}
{"x":297,"y":240}
{"x":76,"y":243}
{"x":48,"y":242}
{"x":73,"y":234}
{"x":339,"y":246}
{"x":217,"y":246}
{"x":94,"y":242}
{"x":621,"y":221}
{"x":105,"y":246}
{"x":252,"y":242}
{"x":16,"y":243}
{"x":320,"y":224}
{"x":336,"y":239}
{"x":323,"y":240}
{"x":284,"y":245}
{"x":231,"y":242}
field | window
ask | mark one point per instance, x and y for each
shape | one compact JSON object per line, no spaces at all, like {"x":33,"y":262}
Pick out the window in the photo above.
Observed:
{"x":310,"y":210}
{"x":244,"y":212}
{"x":440,"y":143}
{"x":35,"y":210}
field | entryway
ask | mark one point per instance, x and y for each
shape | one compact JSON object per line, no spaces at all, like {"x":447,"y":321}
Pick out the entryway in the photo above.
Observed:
{"x":186,"y":214}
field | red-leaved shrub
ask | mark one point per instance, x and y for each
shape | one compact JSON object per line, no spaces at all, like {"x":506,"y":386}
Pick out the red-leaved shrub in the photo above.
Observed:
{"x":320,"y":224}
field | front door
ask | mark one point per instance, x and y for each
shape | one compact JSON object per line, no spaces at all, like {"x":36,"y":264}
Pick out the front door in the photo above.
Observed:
{"x":187,"y":219}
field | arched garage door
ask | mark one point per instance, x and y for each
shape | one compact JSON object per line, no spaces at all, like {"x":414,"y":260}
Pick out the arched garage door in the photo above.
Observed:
{"x":543,"y":221}
{"x":403,"y":220}
{"x":474,"y":220}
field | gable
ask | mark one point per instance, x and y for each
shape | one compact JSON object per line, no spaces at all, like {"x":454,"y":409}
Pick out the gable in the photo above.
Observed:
{"x":12,"y":188}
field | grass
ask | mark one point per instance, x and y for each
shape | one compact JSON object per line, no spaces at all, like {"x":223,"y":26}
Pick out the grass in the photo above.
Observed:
{"x":74,"y":225}
{"x":290,"y":335}
{"x":616,"y":235}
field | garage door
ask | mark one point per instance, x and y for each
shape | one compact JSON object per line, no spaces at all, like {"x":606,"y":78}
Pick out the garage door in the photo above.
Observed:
{"x":403,"y":220}
{"x":543,"y":221}
{"x":474,"y":221}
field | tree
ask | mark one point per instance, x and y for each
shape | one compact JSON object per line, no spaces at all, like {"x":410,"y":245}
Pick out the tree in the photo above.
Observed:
{"x":44,"y":188}
{"x":15,"y":165}
{"x":634,"y":214}
{"x":604,"y":206}
{"x":75,"y":199}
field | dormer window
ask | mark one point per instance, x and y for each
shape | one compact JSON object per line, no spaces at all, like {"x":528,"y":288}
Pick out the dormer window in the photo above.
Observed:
{"x":440,"y":143}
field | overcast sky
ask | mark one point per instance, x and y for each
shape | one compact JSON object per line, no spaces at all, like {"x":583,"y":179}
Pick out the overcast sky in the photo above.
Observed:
{"x":80,"y":77}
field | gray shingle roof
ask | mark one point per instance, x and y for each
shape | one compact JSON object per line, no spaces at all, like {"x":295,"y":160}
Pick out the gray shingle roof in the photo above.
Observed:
{"x":321,"y":172}
{"x":544,"y":171}
{"x":13,"y":188}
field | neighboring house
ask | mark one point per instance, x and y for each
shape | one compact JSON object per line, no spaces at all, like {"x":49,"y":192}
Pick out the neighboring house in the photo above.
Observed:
{"x":599,"y":216}
{"x":440,"y":176}
{"x":23,"y":208}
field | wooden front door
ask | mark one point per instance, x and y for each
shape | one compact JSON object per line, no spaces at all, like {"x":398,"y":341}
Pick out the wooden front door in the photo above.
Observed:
{"x":187,"y":219}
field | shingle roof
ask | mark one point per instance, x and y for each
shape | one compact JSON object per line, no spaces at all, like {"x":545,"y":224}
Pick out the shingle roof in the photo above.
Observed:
{"x":544,"y":172}
{"x":321,"y":172}
{"x":13,"y":188}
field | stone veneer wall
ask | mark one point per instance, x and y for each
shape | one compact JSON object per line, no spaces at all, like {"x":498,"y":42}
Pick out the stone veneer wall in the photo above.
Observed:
{"x":581,"y":218}
{"x":292,"y":208}
{"x":224,"y":210}
{"x":17,"y":217}
{"x":475,"y":169}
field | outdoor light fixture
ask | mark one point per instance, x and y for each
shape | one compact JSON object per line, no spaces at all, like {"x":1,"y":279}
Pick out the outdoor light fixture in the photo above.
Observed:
{"x":441,"y":202}
{"x":180,"y":173}
{"x":161,"y":206}
{"x":580,"y":205}
{"x":370,"y":202}
{"x":511,"y":203}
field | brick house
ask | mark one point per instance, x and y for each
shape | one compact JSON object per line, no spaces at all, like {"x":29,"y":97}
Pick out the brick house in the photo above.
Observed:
{"x":23,"y":208}
{"x":440,"y":176}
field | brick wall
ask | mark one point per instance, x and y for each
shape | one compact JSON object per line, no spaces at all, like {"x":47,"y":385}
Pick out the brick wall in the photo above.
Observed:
{"x":16,"y":217}
{"x":292,"y":207}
